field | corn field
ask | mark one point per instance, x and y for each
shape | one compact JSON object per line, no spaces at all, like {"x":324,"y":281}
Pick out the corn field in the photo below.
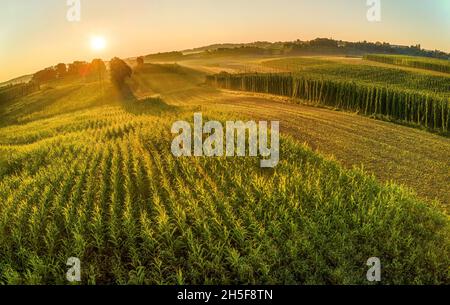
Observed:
{"x":427,"y":110}
{"x":413,"y":62}
{"x":110,"y":193}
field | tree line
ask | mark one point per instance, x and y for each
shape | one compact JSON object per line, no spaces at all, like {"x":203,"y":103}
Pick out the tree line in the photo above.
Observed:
{"x":119,"y":70}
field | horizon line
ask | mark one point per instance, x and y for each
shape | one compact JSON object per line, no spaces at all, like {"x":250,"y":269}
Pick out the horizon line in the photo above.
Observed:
{"x":223,"y":43}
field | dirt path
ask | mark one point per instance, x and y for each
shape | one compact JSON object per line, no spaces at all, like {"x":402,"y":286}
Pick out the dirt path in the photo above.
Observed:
{"x":408,"y":156}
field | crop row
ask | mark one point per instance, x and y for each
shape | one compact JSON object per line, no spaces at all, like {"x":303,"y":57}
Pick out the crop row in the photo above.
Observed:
{"x":362,"y":72}
{"x":414,"y":62}
{"x":133,"y":213}
{"x":427,"y":110}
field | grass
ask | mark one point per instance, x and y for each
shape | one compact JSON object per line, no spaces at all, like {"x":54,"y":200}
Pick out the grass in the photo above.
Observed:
{"x":94,"y":178}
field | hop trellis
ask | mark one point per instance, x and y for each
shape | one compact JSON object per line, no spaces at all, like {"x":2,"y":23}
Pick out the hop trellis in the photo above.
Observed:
{"x":424,"y":109}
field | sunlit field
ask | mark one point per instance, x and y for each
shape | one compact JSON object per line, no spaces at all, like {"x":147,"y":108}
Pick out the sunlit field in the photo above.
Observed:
{"x":386,"y":93}
{"x":86,"y":171}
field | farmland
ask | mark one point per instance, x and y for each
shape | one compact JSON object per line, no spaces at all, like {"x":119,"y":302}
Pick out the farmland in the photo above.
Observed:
{"x":11,"y":92}
{"x":87,"y":172}
{"x":386,"y":93}
{"x":363,"y":71}
{"x":424,"y":110}
{"x":410,"y":61}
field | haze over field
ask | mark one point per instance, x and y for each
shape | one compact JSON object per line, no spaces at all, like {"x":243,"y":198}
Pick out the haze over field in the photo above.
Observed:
{"x":36,"y":34}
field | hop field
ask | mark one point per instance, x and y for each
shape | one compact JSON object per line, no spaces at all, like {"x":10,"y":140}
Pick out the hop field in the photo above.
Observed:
{"x":364,"y":72}
{"x":387,"y":93}
{"x":414,"y":62}
{"x":94,"y":178}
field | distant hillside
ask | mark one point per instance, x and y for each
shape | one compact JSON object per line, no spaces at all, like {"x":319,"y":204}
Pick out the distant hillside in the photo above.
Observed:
{"x":258,"y":44}
{"x":317,"y":46}
{"x":166,"y":56}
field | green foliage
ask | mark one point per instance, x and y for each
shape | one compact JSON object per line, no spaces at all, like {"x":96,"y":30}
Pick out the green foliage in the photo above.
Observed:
{"x":355,"y":70}
{"x":61,"y":70}
{"x":45,"y":75}
{"x":97,"y":66}
{"x":433,"y":64}
{"x":111,"y":193}
{"x":120,"y":71}
{"x":140,"y":61}
{"x":428,"y":110}
{"x":78,"y":68}
{"x":12,"y":92}
{"x":82,"y":177}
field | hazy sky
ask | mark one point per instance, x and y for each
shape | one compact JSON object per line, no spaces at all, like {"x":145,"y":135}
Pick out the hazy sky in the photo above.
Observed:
{"x":35,"y":34}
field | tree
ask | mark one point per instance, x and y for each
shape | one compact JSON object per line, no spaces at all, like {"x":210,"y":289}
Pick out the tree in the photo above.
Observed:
{"x":140,"y":61}
{"x":97,"y":67}
{"x":79,"y":68}
{"x":61,"y":70}
{"x":120,"y":71}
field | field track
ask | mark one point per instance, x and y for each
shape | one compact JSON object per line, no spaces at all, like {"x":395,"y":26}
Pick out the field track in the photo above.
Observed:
{"x":405,"y":155}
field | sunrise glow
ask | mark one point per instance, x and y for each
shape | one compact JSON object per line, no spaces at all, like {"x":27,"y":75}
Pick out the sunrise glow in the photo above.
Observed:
{"x":98,"y":43}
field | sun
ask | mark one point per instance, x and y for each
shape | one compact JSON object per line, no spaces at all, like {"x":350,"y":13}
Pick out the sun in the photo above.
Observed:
{"x":98,"y":43}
